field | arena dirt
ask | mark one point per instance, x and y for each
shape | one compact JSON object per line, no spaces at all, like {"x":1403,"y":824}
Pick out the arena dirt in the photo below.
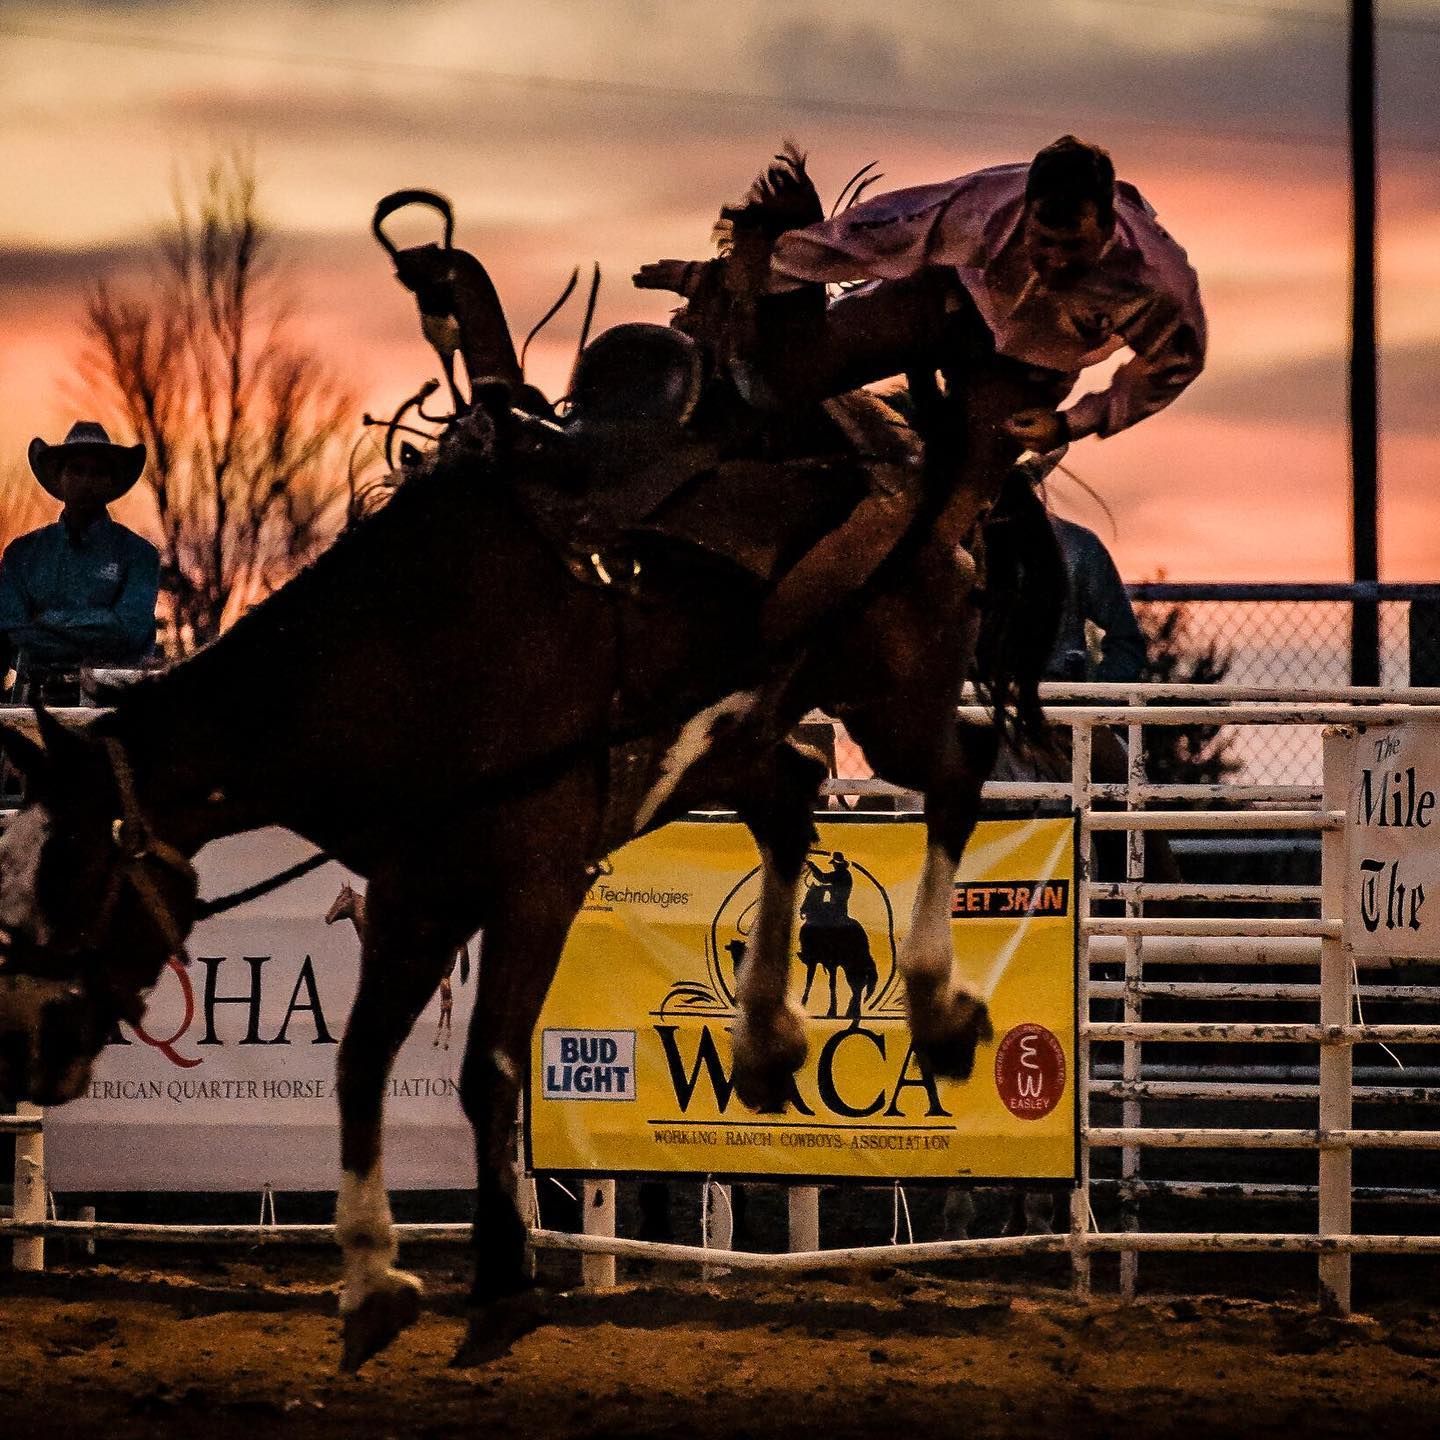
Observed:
{"x":237,"y":1348}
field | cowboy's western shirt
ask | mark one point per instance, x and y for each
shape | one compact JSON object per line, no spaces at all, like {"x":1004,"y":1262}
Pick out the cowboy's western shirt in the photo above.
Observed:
{"x":82,"y":599}
{"x":1142,"y":292}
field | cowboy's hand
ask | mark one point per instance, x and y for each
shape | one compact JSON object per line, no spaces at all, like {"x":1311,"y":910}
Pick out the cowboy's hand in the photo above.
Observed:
{"x":1040,"y":430}
{"x":662,"y":275}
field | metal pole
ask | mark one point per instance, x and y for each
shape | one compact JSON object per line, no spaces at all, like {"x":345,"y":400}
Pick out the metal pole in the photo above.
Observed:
{"x":1080,"y":749}
{"x":717,"y":1219}
{"x":597,"y":1272}
{"x":29,"y":1253}
{"x":1335,"y":1060}
{"x":1364,"y":405}
{"x":804,"y":1217}
{"x":1130,"y":1062}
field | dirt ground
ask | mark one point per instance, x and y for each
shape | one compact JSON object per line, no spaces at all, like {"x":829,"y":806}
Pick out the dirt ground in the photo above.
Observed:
{"x":220,"y":1350}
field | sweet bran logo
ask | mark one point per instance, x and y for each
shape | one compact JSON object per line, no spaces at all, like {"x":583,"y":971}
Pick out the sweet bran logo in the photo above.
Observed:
{"x":1009,"y":899}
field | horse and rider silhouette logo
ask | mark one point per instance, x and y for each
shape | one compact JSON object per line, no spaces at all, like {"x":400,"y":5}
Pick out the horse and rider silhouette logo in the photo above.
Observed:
{"x":845,"y":939}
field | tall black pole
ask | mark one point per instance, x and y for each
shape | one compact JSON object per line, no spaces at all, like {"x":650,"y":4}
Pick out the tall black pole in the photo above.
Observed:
{"x":1364,"y":408}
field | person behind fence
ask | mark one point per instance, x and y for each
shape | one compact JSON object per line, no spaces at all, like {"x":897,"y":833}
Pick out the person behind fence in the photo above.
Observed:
{"x":1097,"y":603}
{"x":81,"y":591}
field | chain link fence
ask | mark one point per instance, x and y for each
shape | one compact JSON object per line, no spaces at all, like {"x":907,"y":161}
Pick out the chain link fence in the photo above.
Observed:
{"x":1283,"y":636}
{"x":1290,"y":637}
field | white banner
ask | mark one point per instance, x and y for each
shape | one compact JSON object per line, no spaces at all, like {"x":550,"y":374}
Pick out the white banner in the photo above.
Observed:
{"x":1392,"y":825}
{"x":229,"y":1082}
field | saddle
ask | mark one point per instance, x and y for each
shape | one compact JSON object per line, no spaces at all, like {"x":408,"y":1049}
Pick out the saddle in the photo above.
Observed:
{"x":654,"y":449}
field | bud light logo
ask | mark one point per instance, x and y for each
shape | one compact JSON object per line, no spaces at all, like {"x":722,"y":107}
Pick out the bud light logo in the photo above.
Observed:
{"x":588,"y":1064}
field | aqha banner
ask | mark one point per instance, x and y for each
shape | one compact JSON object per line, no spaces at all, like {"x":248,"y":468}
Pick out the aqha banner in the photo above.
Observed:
{"x":228,"y":1083}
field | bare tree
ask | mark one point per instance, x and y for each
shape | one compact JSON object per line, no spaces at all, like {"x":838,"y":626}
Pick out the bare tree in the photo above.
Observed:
{"x":243,"y":425}
{"x":23,"y":504}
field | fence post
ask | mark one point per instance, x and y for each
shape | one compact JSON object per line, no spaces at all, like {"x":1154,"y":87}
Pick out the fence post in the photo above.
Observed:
{"x":717,"y":1223}
{"x":1130,"y":1064}
{"x":597,"y":1272}
{"x":804,"y":1217}
{"x":1336,"y":1060}
{"x":28,"y":1251}
{"x":1080,"y":749}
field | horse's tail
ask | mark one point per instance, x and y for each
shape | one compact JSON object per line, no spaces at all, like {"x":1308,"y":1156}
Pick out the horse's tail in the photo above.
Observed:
{"x":1022,"y":603}
{"x":465,"y":964}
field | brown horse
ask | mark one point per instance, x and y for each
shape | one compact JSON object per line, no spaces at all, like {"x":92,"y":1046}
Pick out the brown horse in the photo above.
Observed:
{"x":349,"y":904}
{"x":502,"y":728}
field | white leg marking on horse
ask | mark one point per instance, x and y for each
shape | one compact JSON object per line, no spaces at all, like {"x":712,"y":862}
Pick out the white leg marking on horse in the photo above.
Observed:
{"x":770,"y":1028}
{"x":691,"y":743}
{"x":367,"y":1237}
{"x":765,"y":972}
{"x":20,"y":848}
{"x":927,"y":954}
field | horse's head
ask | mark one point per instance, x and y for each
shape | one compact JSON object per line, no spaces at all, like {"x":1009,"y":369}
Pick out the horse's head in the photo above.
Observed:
{"x":92,"y":905}
{"x":344,"y":906}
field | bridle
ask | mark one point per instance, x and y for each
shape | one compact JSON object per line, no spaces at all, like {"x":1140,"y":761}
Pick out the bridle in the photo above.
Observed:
{"x":138,"y":851}
{"x":138,"y":847}
{"x":141,"y":857}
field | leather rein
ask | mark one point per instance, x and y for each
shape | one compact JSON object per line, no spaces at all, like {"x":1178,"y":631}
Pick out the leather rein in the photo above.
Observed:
{"x":138,"y":847}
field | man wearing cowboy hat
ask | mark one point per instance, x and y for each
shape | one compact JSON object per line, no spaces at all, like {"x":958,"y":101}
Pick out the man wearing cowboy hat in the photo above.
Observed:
{"x":81,"y":591}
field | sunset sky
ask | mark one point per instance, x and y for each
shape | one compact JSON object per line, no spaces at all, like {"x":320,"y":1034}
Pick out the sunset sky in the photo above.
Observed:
{"x":568,"y":131}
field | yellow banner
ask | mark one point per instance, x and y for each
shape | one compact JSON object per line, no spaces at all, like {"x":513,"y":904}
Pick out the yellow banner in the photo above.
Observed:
{"x":630,"y":1072}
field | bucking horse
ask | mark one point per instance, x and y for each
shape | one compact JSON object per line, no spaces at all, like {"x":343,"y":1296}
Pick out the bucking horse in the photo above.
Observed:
{"x":577,"y":626}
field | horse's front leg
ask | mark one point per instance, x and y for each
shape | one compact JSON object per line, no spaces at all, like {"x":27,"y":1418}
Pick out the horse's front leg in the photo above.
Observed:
{"x":401,"y":965}
{"x":769,"y":1038}
{"x":536,"y":877}
{"x":947,"y":1022}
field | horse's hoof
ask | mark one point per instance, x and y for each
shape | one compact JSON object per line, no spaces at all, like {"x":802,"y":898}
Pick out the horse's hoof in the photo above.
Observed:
{"x":764,"y":1074}
{"x":767,"y":1092}
{"x":378,"y":1319}
{"x":950,"y":1054}
{"x":494,"y":1331}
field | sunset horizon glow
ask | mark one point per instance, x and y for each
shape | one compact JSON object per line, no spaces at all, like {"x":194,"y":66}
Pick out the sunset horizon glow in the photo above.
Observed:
{"x":566,"y":135}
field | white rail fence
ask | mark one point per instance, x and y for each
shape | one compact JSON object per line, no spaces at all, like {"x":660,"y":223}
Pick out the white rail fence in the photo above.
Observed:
{"x":1145,"y":948}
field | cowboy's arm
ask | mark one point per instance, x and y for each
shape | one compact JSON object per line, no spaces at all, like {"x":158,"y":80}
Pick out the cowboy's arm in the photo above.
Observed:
{"x":23,"y":630}
{"x":893,"y":236}
{"x":124,"y":630}
{"x":1167,"y":335}
{"x":15,"y":609}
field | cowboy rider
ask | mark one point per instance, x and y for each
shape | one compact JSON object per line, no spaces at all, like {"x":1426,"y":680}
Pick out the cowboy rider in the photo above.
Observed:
{"x":80,"y":591}
{"x":1037,"y":271}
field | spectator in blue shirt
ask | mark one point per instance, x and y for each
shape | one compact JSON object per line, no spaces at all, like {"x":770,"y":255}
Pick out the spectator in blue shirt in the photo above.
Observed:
{"x":1096,"y":594}
{"x":80,"y":592}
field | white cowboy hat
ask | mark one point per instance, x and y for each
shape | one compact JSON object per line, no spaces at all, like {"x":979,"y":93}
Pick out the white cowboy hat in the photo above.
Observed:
{"x":123,"y":462}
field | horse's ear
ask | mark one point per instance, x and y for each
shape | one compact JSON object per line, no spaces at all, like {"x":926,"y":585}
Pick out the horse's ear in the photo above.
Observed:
{"x":25,"y":754}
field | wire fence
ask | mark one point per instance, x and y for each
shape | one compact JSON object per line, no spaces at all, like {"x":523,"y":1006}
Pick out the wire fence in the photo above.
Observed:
{"x":1290,"y":636}
{"x":1278,"y":636}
